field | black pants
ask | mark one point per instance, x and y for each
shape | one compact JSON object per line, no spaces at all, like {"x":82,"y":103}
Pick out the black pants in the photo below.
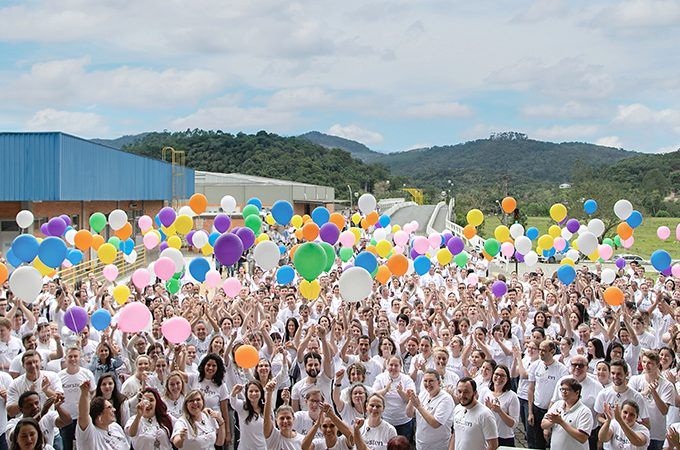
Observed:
{"x":506,"y":442}
{"x":407,"y":430}
{"x":592,"y":439}
{"x":3,"y":442}
{"x":535,"y":438}
{"x":68,"y":435}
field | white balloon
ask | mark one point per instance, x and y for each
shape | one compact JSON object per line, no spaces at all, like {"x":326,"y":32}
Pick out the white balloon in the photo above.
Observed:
{"x":596,"y":226}
{"x":380,"y":234}
{"x":523,"y":245}
{"x":367,"y":203}
{"x":26,"y":283}
{"x":131,"y":258}
{"x":410,"y":269}
{"x":623,"y":209}
{"x":70,"y":236}
{"x":516,"y":230}
{"x":582,"y":229}
{"x":356,"y":284}
{"x":24,"y":218}
{"x":587,"y":243}
{"x":186,"y":211}
{"x":566,"y":234}
{"x":176,"y":257}
{"x":573,"y":254}
{"x":530,"y":259}
{"x":199,"y":239}
{"x":267,"y":255}
{"x":608,"y":276}
{"x":117,"y":219}
{"x":228,"y":204}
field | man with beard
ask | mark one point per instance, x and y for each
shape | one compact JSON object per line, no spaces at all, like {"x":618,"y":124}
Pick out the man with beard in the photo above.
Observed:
{"x":619,"y":392}
{"x":315,"y":379}
{"x":474,"y":426}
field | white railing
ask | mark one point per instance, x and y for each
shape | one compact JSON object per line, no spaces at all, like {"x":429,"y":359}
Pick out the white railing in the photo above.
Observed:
{"x":429,"y":228}
{"x":394,"y":208}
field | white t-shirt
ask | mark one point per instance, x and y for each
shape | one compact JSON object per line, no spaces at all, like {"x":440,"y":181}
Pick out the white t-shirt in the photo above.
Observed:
{"x":510,"y":405}
{"x":473,"y":427}
{"x":212,"y":393}
{"x":590,"y":388}
{"x":395,"y":406}
{"x":71,"y":385}
{"x":300,"y":389}
{"x":95,"y":438}
{"x":21,"y":384}
{"x":619,"y":441}
{"x":205,"y":436}
{"x":277,"y":442}
{"x":440,"y":407}
{"x":546,"y":378}
{"x":47,"y":425}
{"x":376,"y":438}
{"x":174,"y":406}
{"x":612,"y":397}
{"x":252,"y":433}
{"x":5,"y":381}
{"x":579,"y":417}
{"x":149,"y":432}
{"x":304,"y":423}
{"x":340,"y":444}
{"x":666,"y":391}
{"x":8,"y":351}
{"x":373,"y":368}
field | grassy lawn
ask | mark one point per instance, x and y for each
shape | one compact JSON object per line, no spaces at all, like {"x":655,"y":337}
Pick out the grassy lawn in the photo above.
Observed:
{"x":646,"y":240}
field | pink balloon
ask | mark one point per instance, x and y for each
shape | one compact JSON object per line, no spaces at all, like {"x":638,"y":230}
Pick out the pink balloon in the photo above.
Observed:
{"x":212,"y":278}
{"x":472,"y":279}
{"x":110,"y":272}
{"x":134,"y":317}
{"x":507,"y":249}
{"x":144,"y":223}
{"x":231,"y":286}
{"x":141,"y":278}
{"x":559,"y":243}
{"x":346,"y":238}
{"x":675,"y":270}
{"x":400,"y":238}
{"x":398,"y":249}
{"x":176,"y":329}
{"x":435,"y":240}
{"x":164,"y":268}
{"x":628,"y":243}
{"x":150,"y":240}
{"x":421,"y":244}
{"x":663,"y":232}
{"x":677,"y":232}
{"x":605,"y":251}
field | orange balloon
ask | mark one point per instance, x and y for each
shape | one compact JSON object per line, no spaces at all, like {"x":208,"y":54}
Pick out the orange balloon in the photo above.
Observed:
{"x":469,"y":231}
{"x":4,"y":273}
{"x":310,"y":231}
{"x":292,"y":250}
{"x":364,"y":224}
{"x":97,"y":240}
{"x":125,"y":232}
{"x":338,"y":220}
{"x":372,"y":218}
{"x":613,"y":296}
{"x":198,"y":203}
{"x":372,"y":249}
{"x":398,"y":264}
{"x":486,"y":255}
{"x":246,"y":356}
{"x":624,"y":230}
{"x":509,"y":204}
{"x":83,"y":240}
{"x":298,"y":234}
{"x":306,"y":218}
{"x":383,"y":274}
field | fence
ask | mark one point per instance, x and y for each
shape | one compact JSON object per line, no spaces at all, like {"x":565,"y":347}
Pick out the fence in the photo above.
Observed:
{"x":73,"y":274}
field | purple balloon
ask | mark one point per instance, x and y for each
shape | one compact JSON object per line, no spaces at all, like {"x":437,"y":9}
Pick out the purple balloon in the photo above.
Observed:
{"x":222,"y":223}
{"x":75,"y":318}
{"x":44,"y":230}
{"x":519,"y":257}
{"x":247,"y":237}
{"x":455,"y":245}
{"x":620,"y":263}
{"x":447,"y":235}
{"x":573,"y":225}
{"x":329,"y":232}
{"x":499,"y":288}
{"x":190,"y":237}
{"x":167,"y":216}
{"x":667,"y":271}
{"x":414,"y":253}
{"x":163,"y":246}
{"x":56,"y":226}
{"x":66,"y":219}
{"x":228,"y":249}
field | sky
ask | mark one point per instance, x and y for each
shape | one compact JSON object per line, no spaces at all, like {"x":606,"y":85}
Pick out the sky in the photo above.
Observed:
{"x":393,"y":74}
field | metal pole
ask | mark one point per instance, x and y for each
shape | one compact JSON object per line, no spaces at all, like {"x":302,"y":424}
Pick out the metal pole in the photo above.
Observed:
{"x":350,"y":198}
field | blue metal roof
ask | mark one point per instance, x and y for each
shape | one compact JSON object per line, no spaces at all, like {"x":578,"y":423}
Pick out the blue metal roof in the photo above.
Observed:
{"x":55,"y":166}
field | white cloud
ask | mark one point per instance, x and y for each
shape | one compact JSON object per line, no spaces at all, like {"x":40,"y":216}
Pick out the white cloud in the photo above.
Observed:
{"x":568,"y":110}
{"x":610,"y":141}
{"x":436,"y":109}
{"x":234,"y":118}
{"x":541,"y":10}
{"x":564,"y":133}
{"x":634,"y":14}
{"x":300,"y":98}
{"x":639,"y":115}
{"x":79,"y":123}
{"x":668,"y":148}
{"x":355,"y":133}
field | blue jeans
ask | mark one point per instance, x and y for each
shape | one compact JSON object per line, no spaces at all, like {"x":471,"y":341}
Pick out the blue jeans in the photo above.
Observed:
{"x":407,"y":430}
{"x":68,"y":435}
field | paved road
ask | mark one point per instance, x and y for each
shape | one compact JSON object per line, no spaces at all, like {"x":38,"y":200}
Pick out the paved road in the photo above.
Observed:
{"x":419,"y":213}
{"x":440,"y":221}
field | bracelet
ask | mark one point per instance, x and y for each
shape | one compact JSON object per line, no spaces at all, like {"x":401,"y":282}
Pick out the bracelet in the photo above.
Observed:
{"x":338,"y":385}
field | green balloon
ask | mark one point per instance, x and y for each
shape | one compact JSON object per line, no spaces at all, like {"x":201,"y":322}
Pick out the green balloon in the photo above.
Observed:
{"x":309,"y":260}
{"x":461,"y":259}
{"x":373,"y":241}
{"x":97,"y":222}
{"x":254,"y":222}
{"x":330,"y":256}
{"x":608,"y":241}
{"x":249,"y":210}
{"x":375,"y":272}
{"x":492,"y":246}
{"x":346,"y":254}
{"x":115,"y":241}
{"x":172,"y":285}
{"x":177,"y":276}
{"x":617,"y":241}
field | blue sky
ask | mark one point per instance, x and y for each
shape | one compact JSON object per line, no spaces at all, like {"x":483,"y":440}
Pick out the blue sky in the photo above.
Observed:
{"x":394,"y":74}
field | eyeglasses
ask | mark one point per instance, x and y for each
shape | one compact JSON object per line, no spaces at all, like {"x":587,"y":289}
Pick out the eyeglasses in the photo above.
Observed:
{"x":563,"y":389}
{"x":578,"y":365}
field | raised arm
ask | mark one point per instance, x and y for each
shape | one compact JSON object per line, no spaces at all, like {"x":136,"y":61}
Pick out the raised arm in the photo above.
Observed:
{"x":84,"y":405}
{"x":268,"y":425}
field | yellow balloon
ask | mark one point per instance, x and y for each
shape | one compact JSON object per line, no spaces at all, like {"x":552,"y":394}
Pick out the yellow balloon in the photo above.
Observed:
{"x":207,"y":250}
{"x":121,"y":293}
{"x":475,"y":217}
{"x":296,"y":221}
{"x":262,"y":237}
{"x":574,"y":244}
{"x":593,"y":256}
{"x":183,"y":224}
{"x":174,"y":242}
{"x":546,"y":242}
{"x":383,"y":248}
{"x":554,"y":231}
{"x":41,"y":267}
{"x":356,"y":218}
{"x":567,"y":261}
{"x":270,"y":219}
{"x":558,"y":212}
{"x":310,"y":290}
{"x":395,"y":228}
{"x":169,"y":231}
{"x":444,"y":256}
{"x":357,"y":234}
{"x":501,"y":233}
{"x":539,"y":250}
{"x":107,"y":253}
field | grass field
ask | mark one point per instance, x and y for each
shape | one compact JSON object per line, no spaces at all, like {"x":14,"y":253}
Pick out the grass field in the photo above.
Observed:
{"x":646,"y":240}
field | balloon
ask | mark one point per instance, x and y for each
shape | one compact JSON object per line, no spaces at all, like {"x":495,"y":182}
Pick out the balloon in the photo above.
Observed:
{"x":228,"y":204}
{"x":366,"y":260}
{"x":499,"y":288}
{"x":605,"y":251}
{"x":267,"y":255}
{"x":121,"y":293}
{"x":232,"y":287}
{"x":320,"y":215}
{"x":502,"y":233}
{"x":620,"y":263}
{"x":183,"y":224}
{"x":110,"y":272}
{"x":435,"y":240}
{"x":309,"y":260}
{"x":151,"y":240}
{"x":100,"y":320}
{"x":52,"y":251}
{"x":623,"y":209}
{"x":546,"y":242}
{"x":44,"y":230}
{"x":531,"y":258}
{"x":356,"y":284}
{"x":250,"y":210}
{"x":587,"y":243}
{"x":174,"y":242}
{"x":461,"y":259}
{"x":596,"y":226}
{"x":661,"y":260}
{"x":573,"y":225}
{"x":383,"y":274}
{"x":141,"y":278}
{"x":167,"y":216}
{"x":346,"y":254}
{"x":164,"y":268}
{"x":310,"y":231}
{"x":398,"y":265}
{"x":613,"y":296}
{"x":75,"y":318}
{"x":347,"y":239}
{"x":475,"y":217}
{"x":117,"y":219}
{"x":492,"y":247}
{"x":635,"y":219}
{"x":228,"y":249}
{"x":455,"y":245}
{"x":25,"y":283}
{"x":590,"y":206}
{"x":246,"y":356}
{"x":624,"y":230}
{"x":421,"y":264}
{"x":558,"y":212}
{"x":200,"y":239}
{"x":222,"y":223}
{"x":254,"y":222}
{"x":198,"y":268}
{"x":677,"y":232}
{"x":400,"y":238}
{"x":421,"y":245}
{"x":608,"y":276}
{"x":532,"y":233}
{"x":329,"y":232}
{"x":559,"y":244}
{"x":566,"y":274}
{"x":507,"y":249}
{"x":663,"y":232}
{"x":176,"y":329}
{"x":384,"y":220}
{"x":675,"y":270}
{"x":144,"y":223}
{"x":508,"y":204}
{"x":97,"y":222}
{"x":24,"y":218}
{"x":285,"y":275}
{"x":198,"y":203}
{"x":4,"y":273}
{"x":444,"y":256}
{"x":25,"y":247}
{"x":246,"y":236}
{"x":367,"y":203}
{"x":134,"y":317}
{"x":516,"y":230}
{"x":383,"y":248}
{"x":56,"y":226}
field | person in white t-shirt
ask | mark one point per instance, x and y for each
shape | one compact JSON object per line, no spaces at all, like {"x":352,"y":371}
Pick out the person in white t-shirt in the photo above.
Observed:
{"x":474,"y":426}
{"x":284,"y":437}
{"x":71,"y":379}
{"x":44,"y":382}
{"x":373,"y":433}
{"x":199,"y":428}
{"x":432,"y":410}
{"x":620,"y":430}
{"x":97,"y":427}
{"x":29,"y":436}
{"x":569,"y":419}
{"x":329,"y":424}
{"x":504,"y":403}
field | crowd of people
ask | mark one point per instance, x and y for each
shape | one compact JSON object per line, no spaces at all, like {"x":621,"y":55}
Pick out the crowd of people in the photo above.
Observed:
{"x":432,"y":362}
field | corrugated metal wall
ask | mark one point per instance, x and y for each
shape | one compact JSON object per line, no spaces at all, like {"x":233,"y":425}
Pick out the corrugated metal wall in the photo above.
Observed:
{"x":29,"y":168}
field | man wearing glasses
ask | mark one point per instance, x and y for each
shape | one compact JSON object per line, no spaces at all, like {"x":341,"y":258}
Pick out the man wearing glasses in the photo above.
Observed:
{"x":569,"y":419}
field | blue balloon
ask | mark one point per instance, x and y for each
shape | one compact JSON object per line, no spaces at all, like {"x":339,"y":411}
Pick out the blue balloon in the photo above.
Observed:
{"x":532,"y":233}
{"x":320,"y":215}
{"x":25,"y":247}
{"x":421,"y":265}
{"x":163,"y":236}
{"x":12,"y":258}
{"x":128,"y":246}
{"x":384,"y":220}
{"x":367,"y":260}
{"x":285,"y":275}
{"x":74,"y":256}
{"x":157,"y":220}
{"x":213,"y":238}
{"x":100,"y":319}
{"x":549,"y":253}
{"x":52,"y":252}
{"x":282,"y":212}
{"x":661,"y":260}
{"x":198,"y":268}
{"x":566,"y":274}
{"x":590,"y":206}
{"x":255,"y":201}
{"x":282,"y":249}
{"x":635,"y":219}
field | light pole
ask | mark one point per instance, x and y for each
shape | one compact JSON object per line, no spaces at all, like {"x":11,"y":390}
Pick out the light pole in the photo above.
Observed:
{"x":350,"y":198}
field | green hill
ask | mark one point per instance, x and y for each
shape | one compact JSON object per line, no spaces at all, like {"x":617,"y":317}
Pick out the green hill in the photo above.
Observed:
{"x":356,"y":149}
{"x":121,"y":141}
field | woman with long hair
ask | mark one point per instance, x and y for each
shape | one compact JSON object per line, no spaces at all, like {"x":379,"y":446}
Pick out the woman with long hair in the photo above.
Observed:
{"x":199,"y":428}
{"x":151,"y":427}
{"x":504,"y":403}
{"x":108,"y":390}
{"x":105,"y":361}
{"x":250,"y":413}
{"x":27,"y":435}
{"x":173,"y":396}
{"x":210,"y":381}
{"x":595,"y":353}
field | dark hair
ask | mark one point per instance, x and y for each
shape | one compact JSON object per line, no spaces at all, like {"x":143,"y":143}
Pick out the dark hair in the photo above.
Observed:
{"x":619,"y":363}
{"x":108,"y":347}
{"x":219,"y":373}
{"x":599,"y":349}
{"x":161,"y":411}
{"x":97,"y":407}
{"x":508,"y":381}
{"x":30,"y":421}
{"x":117,"y":398}
{"x":612,"y":346}
{"x":388,"y":339}
{"x":538,"y":330}
{"x":572,"y":384}
{"x":472,"y":382}
{"x":633,"y":404}
{"x":27,"y":354}
{"x":311,"y":355}
{"x":672,"y":352}
{"x":287,"y":336}
{"x":252,"y":414}
{"x":403,"y":317}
